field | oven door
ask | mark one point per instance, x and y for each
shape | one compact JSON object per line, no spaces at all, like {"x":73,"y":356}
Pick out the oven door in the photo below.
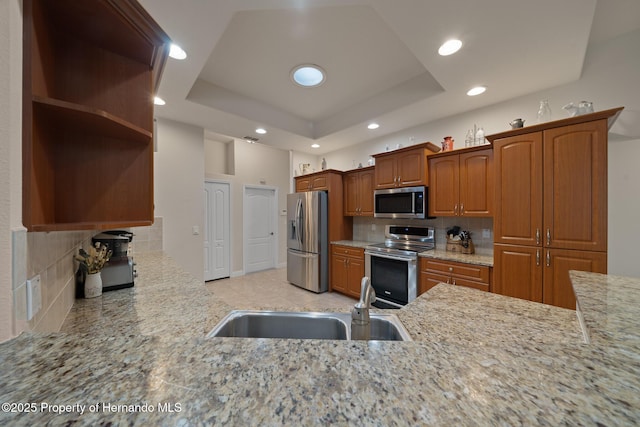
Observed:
{"x":393,"y":277}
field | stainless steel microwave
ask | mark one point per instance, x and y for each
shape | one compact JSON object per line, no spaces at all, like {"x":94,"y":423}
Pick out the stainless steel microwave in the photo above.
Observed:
{"x":404,"y":202}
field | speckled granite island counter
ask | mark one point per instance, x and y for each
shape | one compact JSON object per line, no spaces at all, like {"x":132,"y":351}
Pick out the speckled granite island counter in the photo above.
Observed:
{"x":139,"y":357}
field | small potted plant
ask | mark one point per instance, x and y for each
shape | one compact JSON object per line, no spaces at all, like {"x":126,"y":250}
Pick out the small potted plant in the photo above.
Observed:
{"x":91,"y":264}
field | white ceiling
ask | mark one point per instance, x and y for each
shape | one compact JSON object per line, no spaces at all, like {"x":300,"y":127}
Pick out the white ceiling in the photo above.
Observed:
{"x":380,"y":56}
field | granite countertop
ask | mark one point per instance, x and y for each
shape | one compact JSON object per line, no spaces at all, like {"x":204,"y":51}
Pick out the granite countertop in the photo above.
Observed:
{"x":353,"y":243}
{"x":477,"y":259}
{"x":477,"y":359}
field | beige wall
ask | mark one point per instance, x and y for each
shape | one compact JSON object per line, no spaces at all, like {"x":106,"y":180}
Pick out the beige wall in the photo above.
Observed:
{"x":253,"y":164}
{"x":610,"y":79}
{"x":179,"y":192}
{"x":8,"y":104}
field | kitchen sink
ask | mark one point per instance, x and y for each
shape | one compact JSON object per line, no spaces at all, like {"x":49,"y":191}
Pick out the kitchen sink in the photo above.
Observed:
{"x":304,"y":325}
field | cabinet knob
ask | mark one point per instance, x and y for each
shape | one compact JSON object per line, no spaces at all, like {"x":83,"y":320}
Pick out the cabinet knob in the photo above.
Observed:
{"x":450,"y":268}
{"x":461,"y":208}
{"x":548,"y":259}
{"x":455,"y":209}
{"x":548,"y":236}
{"x":537,"y":257}
{"x":537,"y":236}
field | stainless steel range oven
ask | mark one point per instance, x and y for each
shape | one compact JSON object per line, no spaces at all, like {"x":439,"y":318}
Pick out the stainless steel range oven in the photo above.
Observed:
{"x":392,"y":266}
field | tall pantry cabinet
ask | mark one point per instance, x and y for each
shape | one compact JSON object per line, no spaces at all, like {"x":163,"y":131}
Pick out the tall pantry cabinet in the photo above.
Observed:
{"x":550,"y":206}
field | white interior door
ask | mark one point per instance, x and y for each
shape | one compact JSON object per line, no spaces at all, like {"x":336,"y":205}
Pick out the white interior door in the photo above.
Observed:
{"x":259,"y":228}
{"x":216,"y":236}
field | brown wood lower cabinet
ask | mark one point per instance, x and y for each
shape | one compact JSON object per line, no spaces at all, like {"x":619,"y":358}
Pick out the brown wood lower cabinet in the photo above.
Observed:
{"x":542,"y":275}
{"x":347,"y":269}
{"x":434,"y":271}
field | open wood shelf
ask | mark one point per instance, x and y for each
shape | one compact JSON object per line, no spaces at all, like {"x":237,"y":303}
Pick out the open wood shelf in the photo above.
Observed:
{"x":90,"y":71}
{"x":99,"y":121}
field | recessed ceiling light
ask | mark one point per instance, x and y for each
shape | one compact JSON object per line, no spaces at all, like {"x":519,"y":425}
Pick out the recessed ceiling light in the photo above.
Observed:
{"x":450,"y":47}
{"x":315,"y":145}
{"x":373,"y":126}
{"x":308,"y":75}
{"x":476,"y":90}
{"x":261,"y":131}
{"x":158,"y":101}
{"x":176,"y":52}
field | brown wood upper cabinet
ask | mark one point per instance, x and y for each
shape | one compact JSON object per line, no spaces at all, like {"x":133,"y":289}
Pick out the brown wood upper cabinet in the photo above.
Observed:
{"x":405,"y":167}
{"x":90,"y":71}
{"x":330,"y":180}
{"x":358,"y":192}
{"x":314,"y":182}
{"x":551,"y":206}
{"x":461,"y":183}
{"x":552,"y":187}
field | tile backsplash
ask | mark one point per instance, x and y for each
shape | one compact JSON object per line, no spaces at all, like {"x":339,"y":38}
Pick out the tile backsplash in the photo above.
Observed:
{"x":51,"y":255}
{"x":146,"y":239}
{"x":372,"y":230}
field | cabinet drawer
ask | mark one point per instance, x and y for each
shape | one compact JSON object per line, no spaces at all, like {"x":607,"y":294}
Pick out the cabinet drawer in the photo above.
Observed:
{"x":471,"y":284}
{"x":347,"y":251}
{"x":458,"y":269}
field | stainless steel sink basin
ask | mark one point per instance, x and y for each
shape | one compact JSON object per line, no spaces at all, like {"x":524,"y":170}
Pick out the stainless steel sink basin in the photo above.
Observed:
{"x":304,"y":325}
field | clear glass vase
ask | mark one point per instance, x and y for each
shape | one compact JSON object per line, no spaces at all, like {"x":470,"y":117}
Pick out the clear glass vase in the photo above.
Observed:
{"x":544,"y":112}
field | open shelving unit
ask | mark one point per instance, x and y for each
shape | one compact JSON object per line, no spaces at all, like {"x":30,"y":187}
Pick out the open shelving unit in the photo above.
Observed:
{"x":90,"y":69}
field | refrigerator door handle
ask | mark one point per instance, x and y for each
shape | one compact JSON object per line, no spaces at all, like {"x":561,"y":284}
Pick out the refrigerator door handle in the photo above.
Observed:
{"x":299,"y":222}
{"x":303,"y":254}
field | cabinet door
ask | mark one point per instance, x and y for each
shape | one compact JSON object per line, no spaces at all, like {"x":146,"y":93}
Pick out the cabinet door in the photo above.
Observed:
{"x":444,"y":186}
{"x":303,"y":184}
{"x":429,"y":279}
{"x":351,"y":204}
{"x":365,"y":192}
{"x":355,"y":273}
{"x":557,"y":288}
{"x":517,"y":271}
{"x":575,"y":186}
{"x":518,"y":192}
{"x":411,"y":168}
{"x":339,"y":273}
{"x":386,"y":172}
{"x":320,"y":182}
{"x":476,"y":183}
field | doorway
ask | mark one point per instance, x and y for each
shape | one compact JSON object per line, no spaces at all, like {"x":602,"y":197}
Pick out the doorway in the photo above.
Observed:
{"x":260,"y":228}
{"x":217,"y":245}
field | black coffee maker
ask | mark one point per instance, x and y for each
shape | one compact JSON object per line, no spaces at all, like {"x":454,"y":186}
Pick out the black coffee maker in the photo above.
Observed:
{"x":119,"y":272}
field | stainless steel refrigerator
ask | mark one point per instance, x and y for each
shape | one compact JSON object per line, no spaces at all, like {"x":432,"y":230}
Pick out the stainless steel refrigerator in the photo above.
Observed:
{"x":308,"y":240}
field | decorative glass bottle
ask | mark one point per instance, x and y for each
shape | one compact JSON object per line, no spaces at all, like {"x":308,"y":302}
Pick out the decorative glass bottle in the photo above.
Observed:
{"x":544,"y":112}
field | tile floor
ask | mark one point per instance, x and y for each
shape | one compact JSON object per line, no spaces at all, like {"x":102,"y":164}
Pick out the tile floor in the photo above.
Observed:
{"x":270,"y":290}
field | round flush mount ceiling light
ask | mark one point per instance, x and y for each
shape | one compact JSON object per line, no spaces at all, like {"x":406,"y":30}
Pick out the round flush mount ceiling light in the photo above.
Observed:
{"x":315,"y":145}
{"x":373,"y":126}
{"x":261,"y":131}
{"x":308,"y":75}
{"x":476,"y":90}
{"x":176,"y":52}
{"x":158,"y":101}
{"x":450,"y":47}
